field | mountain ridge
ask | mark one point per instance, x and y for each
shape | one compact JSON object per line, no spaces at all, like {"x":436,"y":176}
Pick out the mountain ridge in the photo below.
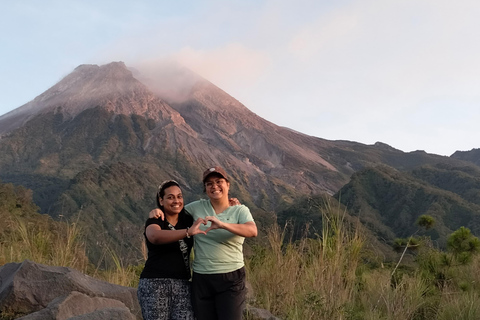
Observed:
{"x":208,"y":126}
{"x":100,"y":141}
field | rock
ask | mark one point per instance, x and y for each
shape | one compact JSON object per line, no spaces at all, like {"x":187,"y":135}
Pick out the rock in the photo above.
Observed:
{"x":111,"y":313}
{"x":77,"y":305}
{"x":28,"y":287}
{"x":40,"y":292}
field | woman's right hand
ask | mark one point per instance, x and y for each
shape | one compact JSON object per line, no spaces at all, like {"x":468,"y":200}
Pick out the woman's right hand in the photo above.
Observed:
{"x":156,"y":214}
{"x":195,"y":228}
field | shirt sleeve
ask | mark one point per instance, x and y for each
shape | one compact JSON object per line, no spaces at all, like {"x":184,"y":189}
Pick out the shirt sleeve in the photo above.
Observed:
{"x":244,"y":215}
{"x":154,"y":221}
{"x":189,"y":207}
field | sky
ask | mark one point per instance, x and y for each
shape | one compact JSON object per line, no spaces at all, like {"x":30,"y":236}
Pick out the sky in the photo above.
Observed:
{"x":402,"y":72}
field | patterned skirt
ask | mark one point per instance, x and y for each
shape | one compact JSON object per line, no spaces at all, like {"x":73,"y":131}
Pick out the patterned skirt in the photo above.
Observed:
{"x":165,"y":299}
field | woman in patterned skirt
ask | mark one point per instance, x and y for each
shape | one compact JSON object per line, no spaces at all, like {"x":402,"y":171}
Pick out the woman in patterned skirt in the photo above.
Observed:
{"x":164,"y":287}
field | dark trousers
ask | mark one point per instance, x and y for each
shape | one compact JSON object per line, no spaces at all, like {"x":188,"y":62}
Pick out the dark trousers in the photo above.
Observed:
{"x":219,"y":296}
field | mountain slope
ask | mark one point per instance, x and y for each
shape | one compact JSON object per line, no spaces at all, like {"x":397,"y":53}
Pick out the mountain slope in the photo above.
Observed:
{"x":206,"y":126}
{"x":98,"y":143}
{"x":389,"y":202}
{"x":461,"y":180}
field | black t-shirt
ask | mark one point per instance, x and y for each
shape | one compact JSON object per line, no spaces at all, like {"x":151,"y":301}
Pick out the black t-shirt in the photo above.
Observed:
{"x":166,"y":260}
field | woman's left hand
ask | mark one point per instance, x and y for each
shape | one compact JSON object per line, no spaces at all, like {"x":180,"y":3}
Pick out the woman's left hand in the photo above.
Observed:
{"x":216,"y":224}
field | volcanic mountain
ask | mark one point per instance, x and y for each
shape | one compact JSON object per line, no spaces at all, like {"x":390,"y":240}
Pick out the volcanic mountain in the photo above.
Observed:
{"x":97,"y":144}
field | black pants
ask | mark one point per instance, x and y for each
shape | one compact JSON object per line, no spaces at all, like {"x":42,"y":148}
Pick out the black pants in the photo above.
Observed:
{"x":219,"y":296}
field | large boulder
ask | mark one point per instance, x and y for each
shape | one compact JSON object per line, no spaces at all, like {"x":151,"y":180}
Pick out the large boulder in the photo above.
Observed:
{"x":29,"y":287}
{"x":77,"y":305}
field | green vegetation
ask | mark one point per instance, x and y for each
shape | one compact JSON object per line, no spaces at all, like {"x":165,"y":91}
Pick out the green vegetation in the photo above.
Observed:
{"x":389,"y":202}
{"x":333,"y":277}
{"x":330,"y":274}
{"x":308,"y":278}
{"x":26,"y":234}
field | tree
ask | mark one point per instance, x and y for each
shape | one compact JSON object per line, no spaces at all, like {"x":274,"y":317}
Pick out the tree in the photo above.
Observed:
{"x":426,"y":221}
{"x":463,"y":245}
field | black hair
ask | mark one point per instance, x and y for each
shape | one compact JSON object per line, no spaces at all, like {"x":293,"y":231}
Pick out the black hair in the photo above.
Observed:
{"x":162,"y":188}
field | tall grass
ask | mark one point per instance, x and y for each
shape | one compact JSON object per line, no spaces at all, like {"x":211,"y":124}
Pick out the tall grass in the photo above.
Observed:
{"x":52,"y":244}
{"x":380,"y":299}
{"x":327,"y":278}
{"x":118,"y":272}
{"x":322,"y":278}
{"x":60,"y":244}
{"x":308,"y":278}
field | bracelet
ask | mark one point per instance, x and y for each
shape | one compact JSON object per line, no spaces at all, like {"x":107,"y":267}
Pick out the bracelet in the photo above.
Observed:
{"x":186,"y":233}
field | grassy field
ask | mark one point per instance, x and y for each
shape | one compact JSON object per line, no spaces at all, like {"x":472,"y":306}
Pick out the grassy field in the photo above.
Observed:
{"x":332,"y":276}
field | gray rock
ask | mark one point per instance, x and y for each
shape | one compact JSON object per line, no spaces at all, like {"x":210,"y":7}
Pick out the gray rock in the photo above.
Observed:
{"x":43,"y":292}
{"x":78,"y":304}
{"x":110,"y":313}
{"x":28,"y":287}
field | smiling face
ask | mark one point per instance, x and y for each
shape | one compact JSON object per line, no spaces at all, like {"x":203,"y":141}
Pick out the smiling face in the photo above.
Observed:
{"x":172,"y":201}
{"x":216,"y":187}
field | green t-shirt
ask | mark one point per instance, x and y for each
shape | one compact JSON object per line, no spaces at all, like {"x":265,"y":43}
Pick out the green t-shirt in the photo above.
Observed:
{"x":219,"y":251}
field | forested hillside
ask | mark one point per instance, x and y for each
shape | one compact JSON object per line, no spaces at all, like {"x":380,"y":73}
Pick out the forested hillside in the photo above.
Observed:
{"x":389,"y":202}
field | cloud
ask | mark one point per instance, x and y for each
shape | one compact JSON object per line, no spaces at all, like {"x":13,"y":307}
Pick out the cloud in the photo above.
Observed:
{"x":232,"y":65}
{"x":323,"y":34}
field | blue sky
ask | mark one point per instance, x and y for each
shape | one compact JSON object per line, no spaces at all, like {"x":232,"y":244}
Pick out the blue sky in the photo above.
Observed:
{"x":403,"y":72}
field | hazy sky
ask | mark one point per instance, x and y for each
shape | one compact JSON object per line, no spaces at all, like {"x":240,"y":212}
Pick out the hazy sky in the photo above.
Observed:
{"x":403,"y":72}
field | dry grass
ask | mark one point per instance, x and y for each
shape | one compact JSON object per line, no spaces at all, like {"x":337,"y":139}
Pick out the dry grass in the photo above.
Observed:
{"x":308,"y":279}
{"x":326,"y":278}
{"x":322,"y":278}
{"x":58,"y":245}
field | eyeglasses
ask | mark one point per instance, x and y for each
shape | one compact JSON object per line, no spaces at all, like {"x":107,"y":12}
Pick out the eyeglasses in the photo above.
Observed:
{"x":218,"y":182}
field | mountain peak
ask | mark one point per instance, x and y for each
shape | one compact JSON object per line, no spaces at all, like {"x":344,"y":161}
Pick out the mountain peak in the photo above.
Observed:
{"x":111,"y":86}
{"x":112,"y":71}
{"x":118,"y":65}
